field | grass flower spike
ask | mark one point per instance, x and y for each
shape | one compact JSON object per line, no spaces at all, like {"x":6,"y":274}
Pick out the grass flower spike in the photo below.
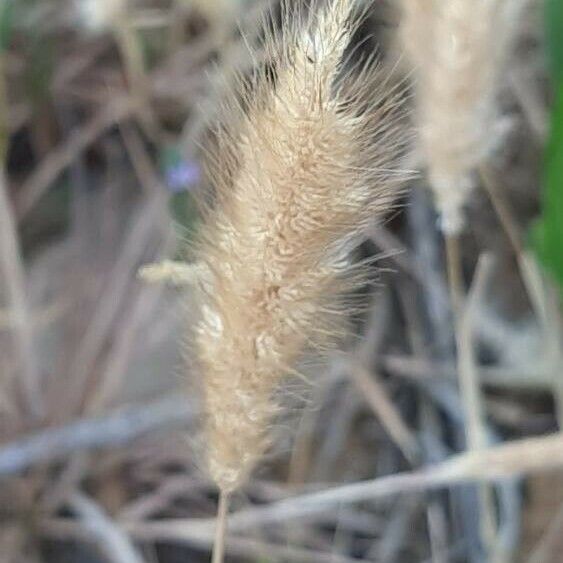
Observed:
{"x":303,"y":164}
{"x":456,"y":47}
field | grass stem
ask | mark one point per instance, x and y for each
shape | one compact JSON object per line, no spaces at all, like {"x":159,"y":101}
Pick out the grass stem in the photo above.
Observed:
{"x":221,"y":528}
{"x":455,"y":275}
{"x":12,"y":276}
{"x":503,"y":210}
{"x":467,"y":372}
{"x":131,"y":52}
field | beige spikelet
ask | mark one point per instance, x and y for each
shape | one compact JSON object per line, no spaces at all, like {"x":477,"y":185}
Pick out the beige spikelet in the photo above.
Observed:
{"x":304,"y":164}
{"x":457,"y":47}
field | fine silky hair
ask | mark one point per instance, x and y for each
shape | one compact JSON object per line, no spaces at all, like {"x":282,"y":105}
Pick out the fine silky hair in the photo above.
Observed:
{"x":304,"y":160}
{"x":457,"y":48}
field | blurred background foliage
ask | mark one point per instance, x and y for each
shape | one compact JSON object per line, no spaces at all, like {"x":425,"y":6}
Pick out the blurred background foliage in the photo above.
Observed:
{"x":107,"y":105}
{"x":548,"y":234}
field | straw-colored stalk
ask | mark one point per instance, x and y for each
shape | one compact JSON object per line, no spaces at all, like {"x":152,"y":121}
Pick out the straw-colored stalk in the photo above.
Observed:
{"x":116,"y":16}
{"x":221,"y":15}
{"x":12,"y":289}
{"x":305,"y":160}
{"x":457,"y":48}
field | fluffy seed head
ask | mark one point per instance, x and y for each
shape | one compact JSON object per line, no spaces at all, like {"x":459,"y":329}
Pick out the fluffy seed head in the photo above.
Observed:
{"x":305,"y":160}
{"x":456,"y":47}
{"x":99,"y":15}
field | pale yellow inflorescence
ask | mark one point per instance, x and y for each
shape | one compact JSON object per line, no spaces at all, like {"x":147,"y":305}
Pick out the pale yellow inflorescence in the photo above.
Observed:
{"x":304,"y":164}
{"x":457,"y":47}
